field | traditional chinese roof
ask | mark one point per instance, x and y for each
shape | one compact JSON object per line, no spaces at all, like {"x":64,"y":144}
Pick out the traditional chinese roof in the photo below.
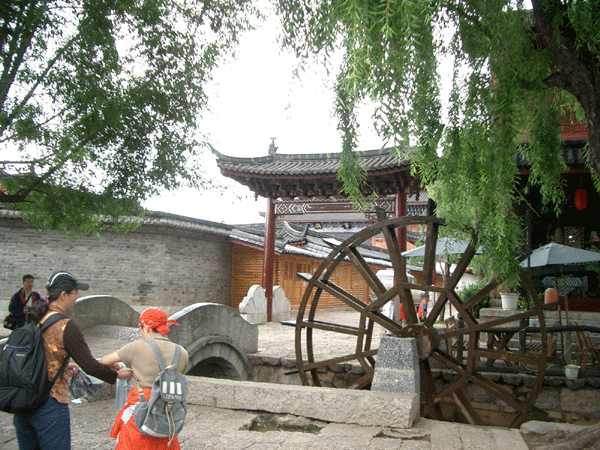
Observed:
{"x":288,"y":176}
{"x":300,"y":240}
{"x":573,"y":154}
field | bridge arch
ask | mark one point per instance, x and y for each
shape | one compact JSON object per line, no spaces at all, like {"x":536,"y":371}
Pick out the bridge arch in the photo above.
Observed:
{"x":217,"y":339}
{"x":215,"y":336}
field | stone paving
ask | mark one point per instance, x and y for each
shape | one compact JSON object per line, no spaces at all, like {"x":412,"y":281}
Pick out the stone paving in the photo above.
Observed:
{"x":215,"y":428}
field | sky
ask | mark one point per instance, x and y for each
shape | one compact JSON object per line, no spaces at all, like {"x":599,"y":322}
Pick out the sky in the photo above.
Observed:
{"x":255,"y":98}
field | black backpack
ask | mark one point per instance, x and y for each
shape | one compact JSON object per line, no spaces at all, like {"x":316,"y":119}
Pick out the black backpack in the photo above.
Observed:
{"x":24,"y":383}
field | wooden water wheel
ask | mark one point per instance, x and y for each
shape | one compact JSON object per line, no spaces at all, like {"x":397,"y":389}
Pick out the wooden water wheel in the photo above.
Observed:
{"x":465,"y":354}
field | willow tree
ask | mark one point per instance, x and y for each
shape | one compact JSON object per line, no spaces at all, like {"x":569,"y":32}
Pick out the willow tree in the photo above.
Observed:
{"x":512,"y":69}
{"x":100,"y":101}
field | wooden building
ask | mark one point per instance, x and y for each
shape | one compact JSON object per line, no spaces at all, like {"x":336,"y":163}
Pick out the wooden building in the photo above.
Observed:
{"x":297,"y":250}
{"x":298,"y":183}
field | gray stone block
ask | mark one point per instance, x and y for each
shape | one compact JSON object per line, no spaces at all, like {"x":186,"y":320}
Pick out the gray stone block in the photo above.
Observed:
{"x":393,"y":380}
{"x":397,"y":368}
{"x":398,"y":353}
{"x":366,"y":408}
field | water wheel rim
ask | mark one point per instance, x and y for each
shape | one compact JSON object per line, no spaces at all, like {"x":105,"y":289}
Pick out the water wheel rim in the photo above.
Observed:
{"x":309,"y":364}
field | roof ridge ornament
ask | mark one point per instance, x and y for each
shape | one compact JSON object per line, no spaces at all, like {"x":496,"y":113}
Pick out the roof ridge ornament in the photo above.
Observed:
{"x":272,"y":148}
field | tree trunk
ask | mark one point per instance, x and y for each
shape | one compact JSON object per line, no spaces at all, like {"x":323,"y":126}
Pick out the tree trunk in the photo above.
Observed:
{"x":578,"y":71}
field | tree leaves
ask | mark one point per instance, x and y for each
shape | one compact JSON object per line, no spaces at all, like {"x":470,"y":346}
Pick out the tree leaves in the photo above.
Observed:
{"x":464,"y":146}
{"x":104,"y":97}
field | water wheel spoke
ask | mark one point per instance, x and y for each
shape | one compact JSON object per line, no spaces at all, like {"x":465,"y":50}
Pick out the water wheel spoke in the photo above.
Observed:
{"x":456,"y":332}
{"x":400,"y":277}
{"x":464,"y":354}
{"x":480,"y":295}
{"x":439,"y":305}
{"x":461,"y":266}
{"x":429,"y":259}
{"x":507,"y":356}
{"x":490,"y":326}
{"x":449,"y":361}
{"x":330,"y":326}
{"x":393,"y":247}
{"x":473,"y":345}
{"x":466,"y":408}
{"x":362,"y":382}
{"x":462,"y":311}
{"x":369,"y":335}
{"x":484,"y":383}
{"x":428,"y":391}
{"x":336,"y":360}
{"x":367,"y":367}
{"x":360,"y":341}
{"x":341,"y":294}
{"x":365,"y":270}
{"x":450,"y":389}
{"x":382,"y":299}
{"x":500,"y":393}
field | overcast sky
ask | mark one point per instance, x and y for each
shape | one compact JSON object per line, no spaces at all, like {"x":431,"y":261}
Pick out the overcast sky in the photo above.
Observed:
{"x":256,"y":98}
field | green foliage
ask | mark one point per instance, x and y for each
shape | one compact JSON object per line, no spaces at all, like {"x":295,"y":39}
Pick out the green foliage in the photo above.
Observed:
{"x":105,"y":98}
{"x":469,"y":291}
{"x":75,"y":210}
{"x":396,"y":54}
{"x":525,"y":304}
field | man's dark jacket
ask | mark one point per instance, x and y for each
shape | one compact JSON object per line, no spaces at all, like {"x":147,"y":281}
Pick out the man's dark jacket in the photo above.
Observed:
{"x":17,"y":303}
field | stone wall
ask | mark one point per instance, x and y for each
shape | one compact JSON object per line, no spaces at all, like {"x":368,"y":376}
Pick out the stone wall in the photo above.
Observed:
{"x":571,"y":401}
{"x":591,"y":319}
{"x":168,"y":261}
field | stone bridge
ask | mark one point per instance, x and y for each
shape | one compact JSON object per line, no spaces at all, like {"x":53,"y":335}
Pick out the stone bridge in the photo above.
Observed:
{"x":216,"y":337}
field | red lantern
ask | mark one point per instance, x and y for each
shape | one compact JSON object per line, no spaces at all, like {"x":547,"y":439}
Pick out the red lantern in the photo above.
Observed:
{"x":580,"y":199}
{"x":551,"y":295}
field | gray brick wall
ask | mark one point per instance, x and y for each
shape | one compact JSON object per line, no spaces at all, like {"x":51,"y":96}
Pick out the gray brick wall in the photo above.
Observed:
{"x":162,"y":263}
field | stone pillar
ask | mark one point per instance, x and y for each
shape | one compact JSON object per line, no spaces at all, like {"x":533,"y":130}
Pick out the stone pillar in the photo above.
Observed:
{"x":397,"y":367}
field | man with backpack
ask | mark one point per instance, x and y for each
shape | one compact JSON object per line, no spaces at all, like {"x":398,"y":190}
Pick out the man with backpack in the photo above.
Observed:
{"x":22,"y":301}
{"x":49,"y":426}
{"x":147,"y":361}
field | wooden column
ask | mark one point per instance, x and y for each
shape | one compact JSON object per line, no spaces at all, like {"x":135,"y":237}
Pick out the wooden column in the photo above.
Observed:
{"x":269,"y":257}
{"x":400,"y":210}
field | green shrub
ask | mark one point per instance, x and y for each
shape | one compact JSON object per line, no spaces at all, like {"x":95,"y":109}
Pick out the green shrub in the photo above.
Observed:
{"x":469,"y":291}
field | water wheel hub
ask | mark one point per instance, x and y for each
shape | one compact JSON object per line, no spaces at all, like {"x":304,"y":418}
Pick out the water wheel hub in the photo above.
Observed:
{"x":425,"y":336}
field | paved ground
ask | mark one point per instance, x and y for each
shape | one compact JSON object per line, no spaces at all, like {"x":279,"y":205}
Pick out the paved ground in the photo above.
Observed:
{"x":212,"y":428}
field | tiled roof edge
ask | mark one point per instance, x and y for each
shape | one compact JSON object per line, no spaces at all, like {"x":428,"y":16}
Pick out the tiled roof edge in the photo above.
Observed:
{"x":154,"y":218}
{"x":300,"y":157}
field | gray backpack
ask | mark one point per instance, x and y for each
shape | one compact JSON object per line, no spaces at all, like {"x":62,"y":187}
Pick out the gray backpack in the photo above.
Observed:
{"x":164,"y":413}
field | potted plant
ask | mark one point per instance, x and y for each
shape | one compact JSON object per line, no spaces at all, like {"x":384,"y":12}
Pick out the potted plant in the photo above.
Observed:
{"x":572,"y":367}
{"x":572,"y":370}
{"x":509,"y":294}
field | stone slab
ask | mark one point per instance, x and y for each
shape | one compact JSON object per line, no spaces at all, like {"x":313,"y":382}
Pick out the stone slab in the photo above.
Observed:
{"x":368,"y":408}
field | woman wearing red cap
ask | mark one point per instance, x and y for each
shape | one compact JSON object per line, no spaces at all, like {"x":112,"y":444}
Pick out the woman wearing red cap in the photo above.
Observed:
{"x":154,"y":324}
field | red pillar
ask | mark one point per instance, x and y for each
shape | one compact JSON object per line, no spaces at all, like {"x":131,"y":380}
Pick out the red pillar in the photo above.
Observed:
{"x":269,"y":257}
{"x":400,"y":210}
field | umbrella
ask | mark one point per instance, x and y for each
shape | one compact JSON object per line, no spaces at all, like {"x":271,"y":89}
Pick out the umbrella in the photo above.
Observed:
{"x":557,"y":257}
{"x":444,"y":246}
{"x":553,"y":254}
